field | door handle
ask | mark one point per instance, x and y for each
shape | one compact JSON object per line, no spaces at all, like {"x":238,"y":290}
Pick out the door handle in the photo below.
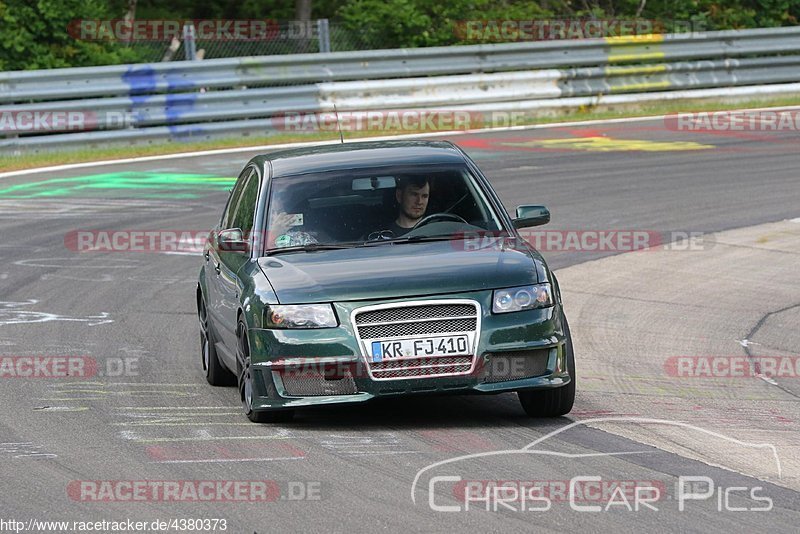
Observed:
{"x":207,"y":256}
{"x":216,"y":267}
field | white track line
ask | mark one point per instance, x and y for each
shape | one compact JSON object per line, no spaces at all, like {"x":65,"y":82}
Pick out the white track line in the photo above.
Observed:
{"x":221,"y":151}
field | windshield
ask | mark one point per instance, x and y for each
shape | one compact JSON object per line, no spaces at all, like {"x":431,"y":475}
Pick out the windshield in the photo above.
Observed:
{"x":376,"y":205}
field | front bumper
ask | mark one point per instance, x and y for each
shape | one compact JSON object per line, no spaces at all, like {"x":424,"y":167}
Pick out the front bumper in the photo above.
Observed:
{"x":299,"y":368}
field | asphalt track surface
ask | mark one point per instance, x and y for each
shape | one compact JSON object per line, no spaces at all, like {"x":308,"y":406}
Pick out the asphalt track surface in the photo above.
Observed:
{"x":354,"y":469}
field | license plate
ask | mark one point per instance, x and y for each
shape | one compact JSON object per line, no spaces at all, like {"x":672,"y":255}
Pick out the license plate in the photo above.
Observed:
{"x":419,"y":347}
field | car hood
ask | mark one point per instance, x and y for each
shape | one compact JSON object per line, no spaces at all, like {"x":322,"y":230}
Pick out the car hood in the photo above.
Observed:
{"x":395,"y":271}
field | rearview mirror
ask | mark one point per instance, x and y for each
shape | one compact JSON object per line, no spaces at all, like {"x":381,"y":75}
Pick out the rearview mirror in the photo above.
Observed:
{"x":232,"y":240}
{"x":528,"y":216}
{"x":376,"y":182}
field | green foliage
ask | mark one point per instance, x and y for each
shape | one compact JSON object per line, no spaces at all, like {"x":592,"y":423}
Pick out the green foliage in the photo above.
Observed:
{"x":33,"y":33}
{"x":725,"y":14}
{"x":394,"y":23}
{"x":413,"y":23}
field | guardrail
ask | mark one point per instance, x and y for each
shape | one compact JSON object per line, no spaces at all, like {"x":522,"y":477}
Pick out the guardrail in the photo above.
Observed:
{"x":199,"y":100}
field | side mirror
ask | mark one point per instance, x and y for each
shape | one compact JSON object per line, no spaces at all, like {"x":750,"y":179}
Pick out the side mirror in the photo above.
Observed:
{"x":232,"y":240}
{"x":531,"y":216}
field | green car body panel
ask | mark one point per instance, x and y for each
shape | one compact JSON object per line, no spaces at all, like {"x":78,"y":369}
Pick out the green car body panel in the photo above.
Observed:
{"x":246,"y":283}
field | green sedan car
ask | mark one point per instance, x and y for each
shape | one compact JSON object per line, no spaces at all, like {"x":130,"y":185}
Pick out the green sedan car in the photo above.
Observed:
{"x":344,"y":273}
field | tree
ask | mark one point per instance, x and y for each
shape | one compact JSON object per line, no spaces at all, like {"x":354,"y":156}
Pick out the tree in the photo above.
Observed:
{"x":34,"y":35}
{"x":302,"y":9}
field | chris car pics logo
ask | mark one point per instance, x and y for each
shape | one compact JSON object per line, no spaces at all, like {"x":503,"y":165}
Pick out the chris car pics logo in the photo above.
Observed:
{"x":523,"y":480}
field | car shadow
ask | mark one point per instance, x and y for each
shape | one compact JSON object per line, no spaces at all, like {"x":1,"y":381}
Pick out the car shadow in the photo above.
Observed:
{"x":420,"y":412}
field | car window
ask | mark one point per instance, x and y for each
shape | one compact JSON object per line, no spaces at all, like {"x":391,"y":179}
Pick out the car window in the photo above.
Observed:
{"x":346,"y":206}
{"x":245,"y":207}
{"x":233,"y":200}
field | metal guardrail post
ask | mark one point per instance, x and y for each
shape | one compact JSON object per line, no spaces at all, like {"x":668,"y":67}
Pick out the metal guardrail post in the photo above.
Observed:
{"x":189,"y":44}
{"x":324,"y":35}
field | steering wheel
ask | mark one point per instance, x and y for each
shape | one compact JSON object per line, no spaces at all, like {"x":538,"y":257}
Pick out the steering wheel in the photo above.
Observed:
{"x":440,"y":216}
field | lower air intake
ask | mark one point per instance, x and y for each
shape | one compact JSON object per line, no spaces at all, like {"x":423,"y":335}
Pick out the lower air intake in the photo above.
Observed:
{"x":311,"y":384}
{"x":504,"y":366}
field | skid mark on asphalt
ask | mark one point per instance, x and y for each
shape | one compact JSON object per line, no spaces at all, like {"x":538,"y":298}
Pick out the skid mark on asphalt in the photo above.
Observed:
{"x":80,"y":263}
{"x":157,"y":426}
{"x":221,"y":434}
{"x":69,"y":208}
{"x":581,"y":414}
{"x":456,"y":441}
{"x":61,"y":409}
{"x":753,"y":359}
{"x":24,"y":449}
{"x":163,"y":280}
{"x":387,"y":443}
{"x":162,"y":432}
{"x":89,"y":391}
{"x":719,"y":402}
{"x":234,"y":452}
{"x":158,"y":435}
{"x":102,"y":278}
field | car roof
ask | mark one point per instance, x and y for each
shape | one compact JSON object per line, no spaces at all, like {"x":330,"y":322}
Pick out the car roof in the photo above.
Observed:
{"x":361,"y":154}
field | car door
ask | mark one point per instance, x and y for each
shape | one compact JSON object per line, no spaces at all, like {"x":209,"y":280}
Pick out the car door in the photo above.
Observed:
{"x":232,"y":259}
{"x":211,"y":250}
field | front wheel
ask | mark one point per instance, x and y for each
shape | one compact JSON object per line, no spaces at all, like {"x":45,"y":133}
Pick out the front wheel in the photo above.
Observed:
{"x":553,"y":402}
{"x":246,"y":384}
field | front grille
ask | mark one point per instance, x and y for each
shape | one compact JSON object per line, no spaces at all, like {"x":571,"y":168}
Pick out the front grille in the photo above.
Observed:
{"x":430,"y":318}
{"x":391,"y":315}
{"x":515,"y":365}
{"x":311,"y":383}
{"x":441,"y":326}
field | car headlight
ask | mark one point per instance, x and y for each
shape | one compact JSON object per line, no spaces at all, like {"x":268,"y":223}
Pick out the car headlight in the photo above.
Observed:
{"x":300,"y":316}
{"x":522,"y":298}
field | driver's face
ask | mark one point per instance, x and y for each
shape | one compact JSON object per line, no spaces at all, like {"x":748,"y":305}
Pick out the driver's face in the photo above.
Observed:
{"x":414,"y":200}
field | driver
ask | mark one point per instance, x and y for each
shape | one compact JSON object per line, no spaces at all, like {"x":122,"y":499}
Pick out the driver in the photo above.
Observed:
{"x":412,"y":196}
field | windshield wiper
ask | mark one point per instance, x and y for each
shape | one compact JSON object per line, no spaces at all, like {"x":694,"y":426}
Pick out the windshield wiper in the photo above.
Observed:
{"x":423,"y":238}
{"x":311,"y":247}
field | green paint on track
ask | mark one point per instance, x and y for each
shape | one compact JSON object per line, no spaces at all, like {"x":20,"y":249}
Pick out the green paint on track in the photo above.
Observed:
{"x":135,"y":184}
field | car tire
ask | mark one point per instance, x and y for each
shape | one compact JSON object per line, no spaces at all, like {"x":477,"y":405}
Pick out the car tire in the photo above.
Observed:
{"x":553,"y":402}
{"x":216,"y":374}
{"x":246,"y":384}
